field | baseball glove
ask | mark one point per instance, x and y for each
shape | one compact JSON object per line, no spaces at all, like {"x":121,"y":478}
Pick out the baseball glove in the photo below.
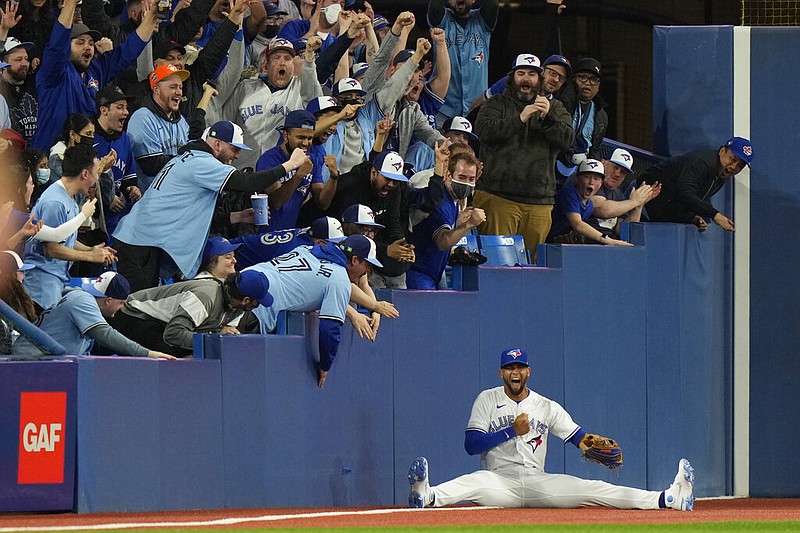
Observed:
{"x":601,"y":450}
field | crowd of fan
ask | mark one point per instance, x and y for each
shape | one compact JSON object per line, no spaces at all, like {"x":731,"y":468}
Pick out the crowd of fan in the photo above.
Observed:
{"x":136,"y":133}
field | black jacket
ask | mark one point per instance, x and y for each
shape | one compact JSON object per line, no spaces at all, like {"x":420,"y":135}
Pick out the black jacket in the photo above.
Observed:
{"x":354,"y":188}
{"x":687,"y":183}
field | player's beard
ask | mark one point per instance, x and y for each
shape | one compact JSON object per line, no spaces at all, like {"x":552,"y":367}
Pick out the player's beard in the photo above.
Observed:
{"x":515,"y":389}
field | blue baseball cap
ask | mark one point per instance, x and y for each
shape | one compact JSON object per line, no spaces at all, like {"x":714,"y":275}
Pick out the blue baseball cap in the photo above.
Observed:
{"x":254,"y":284}
{"x":359,"y":69}
{"x":360,"y":214}
{"x":300,"y":119}
{"x":361,"y":246}
{"x":557,"y":59}
{"x":217,"y":245}
{"x":741,"y":148}
{"x":514,"y":355}
{"x":323,"y":103}
{"x":390,"y":165}
{"x":11,"y":261}
{"x":380,"y":22}
{"x":108,"y":285}
{"x":228,"y":132}
{"x":327,"y":228}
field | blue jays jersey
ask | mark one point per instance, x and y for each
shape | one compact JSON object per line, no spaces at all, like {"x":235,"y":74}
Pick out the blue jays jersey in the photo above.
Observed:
{"x":301,"y":281}
{"x":468,"y":47}
{"x":124,"y":168}
{"x":286,"y":215}
{"x":46,"y":281}
{"x":494,"y":411}
{"x":430,"y":260}
{"x":69,"y":320}
{"x":152,"y":135}
{"x":256,"y":249}
{"x":568,"y":201}
{"x":175,"y":213}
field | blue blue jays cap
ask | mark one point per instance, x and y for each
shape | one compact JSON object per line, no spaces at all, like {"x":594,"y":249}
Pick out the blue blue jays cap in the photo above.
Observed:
{"x":300,"y":119}
{"x":380,"y":22}
{"x":217,"y":245}
{"x":255,"y":285}
{"x":327,"y":228}
{"x":323,"y":103}
{"x":741,"y":148}
{"x":557,"y":59}
{"x":360,"y":214}
{"x":361,"y":246}
{"x":108,"y":285}
{"x":228,"y":132}
{"x":390,"y":165}
{"x":514,"y":355}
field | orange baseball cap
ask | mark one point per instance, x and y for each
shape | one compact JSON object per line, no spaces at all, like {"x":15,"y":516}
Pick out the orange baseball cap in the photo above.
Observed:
{"x":165,"y":71}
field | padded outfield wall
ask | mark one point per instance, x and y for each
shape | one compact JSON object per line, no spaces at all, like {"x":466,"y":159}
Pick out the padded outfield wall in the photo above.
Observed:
{"x":711,"y":83}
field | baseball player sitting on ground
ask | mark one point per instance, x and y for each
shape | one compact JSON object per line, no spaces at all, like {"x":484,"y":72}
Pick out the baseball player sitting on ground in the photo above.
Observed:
{"x":509,"y":427}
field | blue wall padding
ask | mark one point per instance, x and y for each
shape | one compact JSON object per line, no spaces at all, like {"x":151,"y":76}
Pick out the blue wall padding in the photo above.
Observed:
{"x":688,"y":355}
{"x":774,"y":261}
{"x":149,"y":435}
{"x":248,"y":427}
{"x":692,"y":88}
{"x":18,"y":377}
{"x":604,"y":305}
{"x":436,"y":351}
{"x":532,"y":308}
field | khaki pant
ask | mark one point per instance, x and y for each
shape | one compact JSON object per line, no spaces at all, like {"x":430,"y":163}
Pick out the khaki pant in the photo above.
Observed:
{"x":504,"y":217}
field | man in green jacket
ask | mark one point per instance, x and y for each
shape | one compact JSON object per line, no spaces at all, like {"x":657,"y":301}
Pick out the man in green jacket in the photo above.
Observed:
{"x":521,"y":133}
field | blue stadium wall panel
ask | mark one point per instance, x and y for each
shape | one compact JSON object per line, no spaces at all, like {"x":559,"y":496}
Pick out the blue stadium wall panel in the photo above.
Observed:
{"x":248,"y":426}
{"x":436,"y":352}
{"x":774,"y":263}
{"x":531,"y":304}
{"x":604,"y":294}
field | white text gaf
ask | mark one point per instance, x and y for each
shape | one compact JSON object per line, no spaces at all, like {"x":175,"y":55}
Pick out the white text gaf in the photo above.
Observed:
{"x":43,"y":438}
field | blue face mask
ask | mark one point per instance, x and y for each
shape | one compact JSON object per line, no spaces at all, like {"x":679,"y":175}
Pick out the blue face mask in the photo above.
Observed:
{"x":42,"y":175}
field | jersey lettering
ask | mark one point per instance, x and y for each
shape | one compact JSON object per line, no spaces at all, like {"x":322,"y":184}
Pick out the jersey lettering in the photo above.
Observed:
{"x":252,"y":111}
{"x":160,"y":177}
{"x":291,"y":262}
{"x":501,"y":423}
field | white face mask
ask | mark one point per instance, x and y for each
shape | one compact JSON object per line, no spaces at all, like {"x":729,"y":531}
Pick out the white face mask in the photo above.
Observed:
{"x":332,"y":13}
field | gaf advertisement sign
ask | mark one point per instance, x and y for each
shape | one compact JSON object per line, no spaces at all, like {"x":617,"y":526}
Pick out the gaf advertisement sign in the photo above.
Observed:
{"x":38,"y":424}
{"x":42,"y":421}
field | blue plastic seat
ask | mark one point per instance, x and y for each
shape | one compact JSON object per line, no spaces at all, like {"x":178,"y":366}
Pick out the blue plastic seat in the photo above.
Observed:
{"x":504,"y":250}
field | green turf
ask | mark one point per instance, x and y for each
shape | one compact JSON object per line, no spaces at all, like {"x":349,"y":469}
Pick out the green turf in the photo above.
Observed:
{"x":715,"y":527}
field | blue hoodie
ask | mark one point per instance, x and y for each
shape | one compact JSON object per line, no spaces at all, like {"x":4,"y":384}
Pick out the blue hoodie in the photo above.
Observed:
{"x":63,"y":90}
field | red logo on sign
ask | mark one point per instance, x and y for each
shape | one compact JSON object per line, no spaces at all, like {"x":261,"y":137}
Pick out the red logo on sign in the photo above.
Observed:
{"x":42,"y":426}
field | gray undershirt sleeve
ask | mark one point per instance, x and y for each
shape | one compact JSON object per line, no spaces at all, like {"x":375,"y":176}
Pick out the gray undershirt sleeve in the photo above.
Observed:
{"x":113,"y":339}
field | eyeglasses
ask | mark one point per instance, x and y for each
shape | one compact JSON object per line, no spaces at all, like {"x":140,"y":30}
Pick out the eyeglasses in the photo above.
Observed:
{"x":555,"y":74}
{"x":588,"y":79}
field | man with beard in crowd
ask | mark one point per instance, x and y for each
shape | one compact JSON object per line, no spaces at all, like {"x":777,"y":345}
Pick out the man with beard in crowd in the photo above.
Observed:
{"x":18,"y":88}
{"x":521,"y":133}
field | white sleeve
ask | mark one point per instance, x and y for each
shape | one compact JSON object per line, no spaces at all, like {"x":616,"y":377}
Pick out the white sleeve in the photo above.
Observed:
{"x":48,"y":234}
{"x":480,"y":417}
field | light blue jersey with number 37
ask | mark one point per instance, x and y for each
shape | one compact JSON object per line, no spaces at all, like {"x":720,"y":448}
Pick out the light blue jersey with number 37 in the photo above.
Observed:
{"x":300,"y":281}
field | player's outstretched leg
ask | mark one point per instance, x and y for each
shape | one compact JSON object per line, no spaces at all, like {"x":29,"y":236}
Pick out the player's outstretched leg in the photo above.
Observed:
{"x":420,"y":495}
{"x":679,"y":495}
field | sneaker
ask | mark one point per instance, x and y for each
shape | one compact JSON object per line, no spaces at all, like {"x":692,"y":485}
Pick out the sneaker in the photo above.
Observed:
{"x":420,"y":495}
{"x":679,"y":495}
